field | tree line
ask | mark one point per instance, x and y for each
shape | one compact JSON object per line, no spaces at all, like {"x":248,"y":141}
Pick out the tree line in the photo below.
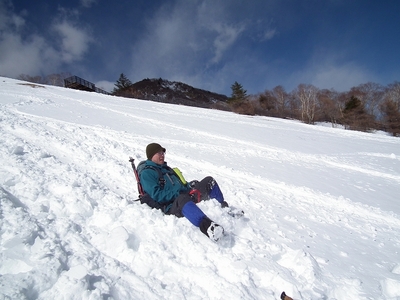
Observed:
{"x":52,"y":79}
{"x":366,"y":107}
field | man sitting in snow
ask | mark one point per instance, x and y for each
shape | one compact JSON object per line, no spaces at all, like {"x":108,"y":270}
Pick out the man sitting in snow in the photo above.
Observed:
{"x":175,"y":196}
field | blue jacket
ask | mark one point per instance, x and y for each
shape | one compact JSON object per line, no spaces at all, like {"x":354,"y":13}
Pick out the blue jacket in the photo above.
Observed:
{"x":173,"y":186}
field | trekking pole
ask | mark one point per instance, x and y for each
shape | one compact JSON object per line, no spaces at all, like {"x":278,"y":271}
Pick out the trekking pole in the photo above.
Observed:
{"x":139,"y":186}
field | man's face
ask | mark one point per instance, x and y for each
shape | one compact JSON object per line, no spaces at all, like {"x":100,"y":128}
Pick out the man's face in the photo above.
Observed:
{"x":158,"y":158}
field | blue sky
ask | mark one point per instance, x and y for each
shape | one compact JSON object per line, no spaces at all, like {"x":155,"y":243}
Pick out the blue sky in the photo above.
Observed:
{"x":208,"y":44}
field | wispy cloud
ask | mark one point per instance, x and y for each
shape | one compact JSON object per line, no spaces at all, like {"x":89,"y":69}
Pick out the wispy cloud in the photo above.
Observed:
{"x":327,"y":72}
{"x":205,"y":43}
{"x":88,"y":3}
{"x":226,"y":37}
{"x":74,"y":41}
{"x":19,"y":55}
{"x":25,"y":52}
{"x":29,"y":57}
{"x":341,"y":77}
{"x":268,"y":34}
{"x":184,"y":40}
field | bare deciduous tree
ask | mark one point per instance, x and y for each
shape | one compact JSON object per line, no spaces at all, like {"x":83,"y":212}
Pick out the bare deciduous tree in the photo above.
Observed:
{"x":328,"y":108}
{"x":275,"y":102}
{"x":52,"y":79}
{"x":391,"y":109}
{"x":392,"y":93}
{"x":267,"y":102}
{"x":391,"y":115}
{"x":34,"y":79}
{"x":307,"y":95}
{"x":371,"y":95}
{"x":282,"y":100}
{"x":55,"y":79}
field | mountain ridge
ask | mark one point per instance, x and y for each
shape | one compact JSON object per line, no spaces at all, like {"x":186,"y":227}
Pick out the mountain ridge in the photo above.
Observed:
{"x":162,"y":90}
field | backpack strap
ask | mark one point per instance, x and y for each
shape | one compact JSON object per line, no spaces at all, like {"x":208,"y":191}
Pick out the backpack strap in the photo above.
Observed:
{"x":161,"y":180}
{"x":180,"y":175}
{"x":142,"y":166}
{"x":143,"y":196}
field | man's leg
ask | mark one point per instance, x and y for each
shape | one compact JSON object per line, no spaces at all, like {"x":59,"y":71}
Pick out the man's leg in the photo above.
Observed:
{"x":209,"y":188}
{"x":183,"y":206}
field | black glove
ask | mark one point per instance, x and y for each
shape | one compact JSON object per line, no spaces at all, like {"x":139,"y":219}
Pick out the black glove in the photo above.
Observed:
{"x":224,"y":204}
{"x":193,"y":183}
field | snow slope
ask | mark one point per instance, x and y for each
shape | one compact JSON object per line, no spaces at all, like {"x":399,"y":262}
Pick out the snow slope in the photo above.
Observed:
{"x":322,"y":204}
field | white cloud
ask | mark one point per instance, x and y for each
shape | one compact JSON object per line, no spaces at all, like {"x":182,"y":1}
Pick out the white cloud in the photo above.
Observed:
{"x":17,"y":21}
{"x":74,"y":41}
{"x":88,"y":3}
{"x":340,"y":77}
{"x":169,"y":44}
{"x":184,"y":40}
{"x":214,"y":23}
{"x":328,"y":74}
{"x":25,"y":57}
{"x":226,"y":37}
{"x":22,"y":52}
{"x":105,"y":85}
{"x":3,"y":15}
{"x":18,"y":55}
{"x":268,"y":34}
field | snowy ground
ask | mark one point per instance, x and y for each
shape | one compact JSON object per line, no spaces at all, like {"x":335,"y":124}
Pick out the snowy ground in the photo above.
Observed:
{"x":322,"y":204}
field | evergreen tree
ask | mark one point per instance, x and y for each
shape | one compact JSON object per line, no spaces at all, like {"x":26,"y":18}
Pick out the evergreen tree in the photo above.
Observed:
{"x":355,"y":115}
{"x":352,"y":104}
{"x":122,"y":83}
{"x":239,"y":102}
{"x":238,"y":93}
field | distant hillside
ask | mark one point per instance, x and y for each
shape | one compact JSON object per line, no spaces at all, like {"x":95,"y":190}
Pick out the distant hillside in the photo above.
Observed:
{"x":161,"y":90}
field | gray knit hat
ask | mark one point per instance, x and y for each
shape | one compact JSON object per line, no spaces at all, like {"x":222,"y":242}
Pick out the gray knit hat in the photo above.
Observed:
{"x":152,"y":149}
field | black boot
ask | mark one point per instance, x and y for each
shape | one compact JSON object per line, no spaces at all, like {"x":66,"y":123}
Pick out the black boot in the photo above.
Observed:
{"x":211,"y":229}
